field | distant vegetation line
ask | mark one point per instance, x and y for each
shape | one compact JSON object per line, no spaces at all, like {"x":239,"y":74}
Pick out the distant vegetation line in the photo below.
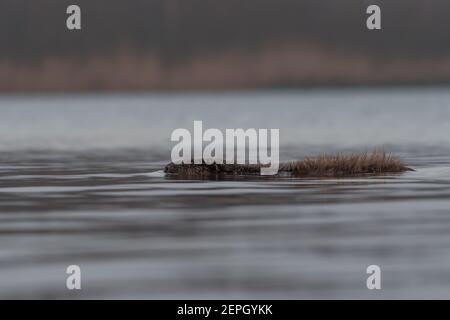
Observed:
{"x":171,"y":44}
{"x":172,"y":28}
{"x":270,"y":67}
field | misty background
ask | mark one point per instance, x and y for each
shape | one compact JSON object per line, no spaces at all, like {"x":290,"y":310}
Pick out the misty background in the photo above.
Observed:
{"x":233,"y":44}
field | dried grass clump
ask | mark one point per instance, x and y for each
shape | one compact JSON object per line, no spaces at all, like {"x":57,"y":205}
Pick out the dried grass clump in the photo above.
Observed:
{"x":377,"y":162}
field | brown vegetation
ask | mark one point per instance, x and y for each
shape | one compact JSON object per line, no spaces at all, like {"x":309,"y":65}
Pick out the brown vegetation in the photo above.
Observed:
{"x":276,"y":65}
{"x":215,"y":45}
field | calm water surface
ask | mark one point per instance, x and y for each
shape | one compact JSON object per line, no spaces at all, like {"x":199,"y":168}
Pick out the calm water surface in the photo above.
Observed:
{"x":80,"y":183}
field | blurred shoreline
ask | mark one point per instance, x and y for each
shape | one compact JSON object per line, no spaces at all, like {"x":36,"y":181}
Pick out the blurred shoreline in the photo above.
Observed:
{"x":275,"y":66}
{"x":193,"y":45}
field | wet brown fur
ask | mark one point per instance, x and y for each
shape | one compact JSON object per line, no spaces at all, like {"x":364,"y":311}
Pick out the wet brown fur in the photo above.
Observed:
{"x":340,"y":165}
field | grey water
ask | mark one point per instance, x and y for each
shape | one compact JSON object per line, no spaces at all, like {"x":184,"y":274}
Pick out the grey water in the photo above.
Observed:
{"x":81,"y":184}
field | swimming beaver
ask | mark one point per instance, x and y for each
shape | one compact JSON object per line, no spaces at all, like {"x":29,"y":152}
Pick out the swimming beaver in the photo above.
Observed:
{"x":340,"y":165}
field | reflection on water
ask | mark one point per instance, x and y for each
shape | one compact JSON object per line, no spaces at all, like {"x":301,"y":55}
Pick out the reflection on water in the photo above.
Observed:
{"x":332,"y":118}
{"x":137,"y":234}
